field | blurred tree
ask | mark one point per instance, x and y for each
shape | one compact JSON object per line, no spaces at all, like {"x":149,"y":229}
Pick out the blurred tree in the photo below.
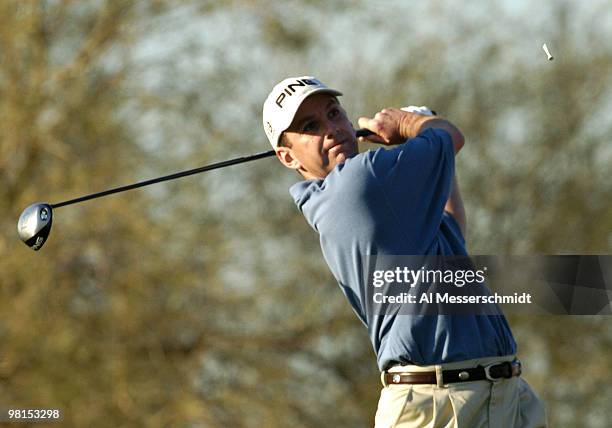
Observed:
{"x":129,"y":316}
{"x":206,"y":301}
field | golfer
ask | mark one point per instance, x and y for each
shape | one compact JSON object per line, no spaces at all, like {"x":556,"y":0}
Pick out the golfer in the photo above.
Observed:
{"x":436,"y":370}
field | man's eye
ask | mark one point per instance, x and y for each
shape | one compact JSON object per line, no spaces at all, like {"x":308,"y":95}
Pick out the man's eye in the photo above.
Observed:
{"x":309,"y":127}
{"x":333,"y":113}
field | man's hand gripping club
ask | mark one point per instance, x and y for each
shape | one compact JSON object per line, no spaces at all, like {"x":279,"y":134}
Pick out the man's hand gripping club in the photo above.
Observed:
{"x":392,"y":126}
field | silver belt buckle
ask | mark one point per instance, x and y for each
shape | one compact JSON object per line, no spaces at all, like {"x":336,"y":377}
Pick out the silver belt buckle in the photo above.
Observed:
{"x":487,"y":370}
{"x":383,"y":378}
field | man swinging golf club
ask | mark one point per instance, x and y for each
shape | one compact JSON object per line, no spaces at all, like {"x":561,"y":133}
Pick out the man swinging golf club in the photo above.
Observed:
{"x":437,"y":370}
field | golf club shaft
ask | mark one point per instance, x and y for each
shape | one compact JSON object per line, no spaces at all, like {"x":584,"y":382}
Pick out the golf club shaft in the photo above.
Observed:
{"x":165,"y":178}
{"x":360,"y":133}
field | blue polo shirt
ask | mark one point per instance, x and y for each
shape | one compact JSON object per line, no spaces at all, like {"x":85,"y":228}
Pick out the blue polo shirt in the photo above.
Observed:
{"x":391,"y":202}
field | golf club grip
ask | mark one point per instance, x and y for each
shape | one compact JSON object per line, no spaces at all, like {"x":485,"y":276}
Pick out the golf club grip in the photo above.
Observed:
{"x":359,"y":133}
{"x":364,"y":132}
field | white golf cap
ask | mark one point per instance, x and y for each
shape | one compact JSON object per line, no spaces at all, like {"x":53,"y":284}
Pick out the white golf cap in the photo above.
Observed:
{"x":284,"y":100}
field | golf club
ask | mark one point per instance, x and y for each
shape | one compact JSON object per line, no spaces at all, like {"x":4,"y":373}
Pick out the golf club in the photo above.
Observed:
{"x":34,"y":223}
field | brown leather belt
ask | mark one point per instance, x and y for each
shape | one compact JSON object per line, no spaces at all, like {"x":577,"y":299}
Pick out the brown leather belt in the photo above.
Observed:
{"x":492,"y":372}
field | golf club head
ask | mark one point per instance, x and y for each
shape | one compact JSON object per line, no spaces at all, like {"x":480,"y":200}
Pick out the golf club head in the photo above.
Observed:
{"x":35,"y":224}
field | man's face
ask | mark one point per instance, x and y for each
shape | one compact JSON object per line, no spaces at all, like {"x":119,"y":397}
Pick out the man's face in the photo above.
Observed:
{"x":319,"y":138}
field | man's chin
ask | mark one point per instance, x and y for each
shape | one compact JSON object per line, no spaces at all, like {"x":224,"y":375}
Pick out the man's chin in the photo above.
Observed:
{"x":343,"y":154}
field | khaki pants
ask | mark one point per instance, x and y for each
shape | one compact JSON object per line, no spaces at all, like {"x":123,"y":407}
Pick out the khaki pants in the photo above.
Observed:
{"x":505,"y":403}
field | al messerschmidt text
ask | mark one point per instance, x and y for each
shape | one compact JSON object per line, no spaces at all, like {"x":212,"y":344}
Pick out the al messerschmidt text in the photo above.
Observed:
{"x":450,"y":298}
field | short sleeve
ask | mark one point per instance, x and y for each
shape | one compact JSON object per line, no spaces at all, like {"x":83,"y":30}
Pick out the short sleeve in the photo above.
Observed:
{"x":416,"y":179}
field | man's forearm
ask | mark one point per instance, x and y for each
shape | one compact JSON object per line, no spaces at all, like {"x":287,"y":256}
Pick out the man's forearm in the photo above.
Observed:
{"x":413,"y":124}
{"x":454,"y":206}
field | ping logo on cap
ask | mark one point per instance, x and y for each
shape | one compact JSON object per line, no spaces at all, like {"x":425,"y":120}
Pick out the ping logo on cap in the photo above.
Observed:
{"x":290,"y":89}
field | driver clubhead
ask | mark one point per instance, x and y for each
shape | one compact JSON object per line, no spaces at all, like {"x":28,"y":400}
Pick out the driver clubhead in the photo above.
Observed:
{"x":35,"y":224}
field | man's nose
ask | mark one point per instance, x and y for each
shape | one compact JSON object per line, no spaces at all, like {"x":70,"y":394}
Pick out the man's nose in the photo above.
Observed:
{"x":332,"y":130}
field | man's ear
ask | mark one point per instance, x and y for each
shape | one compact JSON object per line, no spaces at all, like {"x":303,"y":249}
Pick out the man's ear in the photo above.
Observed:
{"x":286,"y":157}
